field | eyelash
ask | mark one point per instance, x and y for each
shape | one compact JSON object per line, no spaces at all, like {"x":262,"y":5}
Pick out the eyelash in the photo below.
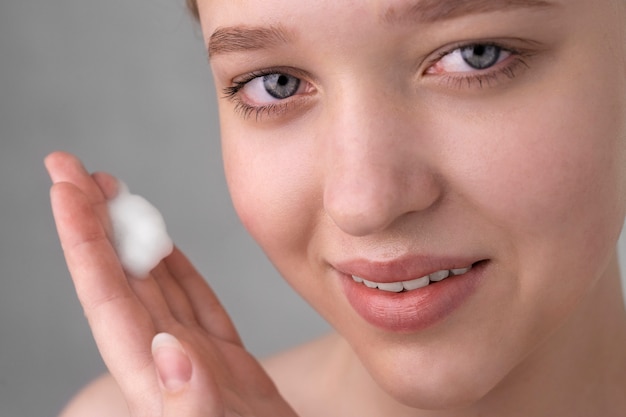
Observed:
{"x":473,"y":79}
{"x":245,"y":109}
{"x":478,"y":78}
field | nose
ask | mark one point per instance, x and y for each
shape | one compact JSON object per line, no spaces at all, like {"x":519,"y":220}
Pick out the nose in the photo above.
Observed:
{"x":377,"y":167}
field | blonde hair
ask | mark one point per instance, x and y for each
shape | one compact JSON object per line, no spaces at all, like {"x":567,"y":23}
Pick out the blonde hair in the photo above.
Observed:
{"x":192,"y":5}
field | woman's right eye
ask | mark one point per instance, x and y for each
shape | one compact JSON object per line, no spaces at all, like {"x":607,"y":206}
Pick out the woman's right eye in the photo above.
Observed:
{"x":280,"y":86}
{"x":267,"y":89}
{"x":269,"y":92}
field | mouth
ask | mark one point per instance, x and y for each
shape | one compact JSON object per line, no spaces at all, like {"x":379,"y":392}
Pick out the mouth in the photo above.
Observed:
{"x":413,"y":284}
{"x":411,"y":304}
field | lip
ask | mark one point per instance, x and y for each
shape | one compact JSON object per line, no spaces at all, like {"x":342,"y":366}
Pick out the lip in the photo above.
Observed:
{"x":414,"y":310}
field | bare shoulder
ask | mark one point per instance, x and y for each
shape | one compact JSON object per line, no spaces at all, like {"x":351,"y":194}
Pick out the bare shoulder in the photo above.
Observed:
{"x":101,"y":398}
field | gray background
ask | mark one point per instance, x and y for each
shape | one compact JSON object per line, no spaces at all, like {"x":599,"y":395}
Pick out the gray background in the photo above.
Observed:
{"x":126,"y":86}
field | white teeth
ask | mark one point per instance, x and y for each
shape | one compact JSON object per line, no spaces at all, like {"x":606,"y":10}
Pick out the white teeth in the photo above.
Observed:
{"x":414,"y":283}
{"x":370,"y":284}
{"x":391,"y":286}
{"x":439,"y":275}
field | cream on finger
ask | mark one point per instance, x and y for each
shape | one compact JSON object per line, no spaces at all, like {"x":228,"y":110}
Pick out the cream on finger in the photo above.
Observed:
{"x":140,"y":236}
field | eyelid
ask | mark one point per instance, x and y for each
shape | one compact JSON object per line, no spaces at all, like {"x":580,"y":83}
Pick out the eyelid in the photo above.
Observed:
{"x":515,"y":46}
{"x":519,"y":50}
{"x":234,"y":93}
{"x":239,"y":81}
{"x":456,"y":54}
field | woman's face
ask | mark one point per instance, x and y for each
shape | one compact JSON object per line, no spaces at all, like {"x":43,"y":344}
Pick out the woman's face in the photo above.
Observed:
{"x":393,"y":140}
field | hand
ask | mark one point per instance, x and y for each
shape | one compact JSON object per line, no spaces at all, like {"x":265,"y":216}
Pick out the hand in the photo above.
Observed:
{"x":197,"y":365}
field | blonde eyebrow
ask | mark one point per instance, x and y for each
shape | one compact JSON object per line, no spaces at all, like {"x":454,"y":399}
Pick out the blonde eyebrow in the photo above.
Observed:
{"x":246,"y":38}
{"x":430,"y":11}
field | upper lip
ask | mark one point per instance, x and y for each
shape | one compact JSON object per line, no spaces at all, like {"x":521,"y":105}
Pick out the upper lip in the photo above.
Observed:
{"x":401,"y":269}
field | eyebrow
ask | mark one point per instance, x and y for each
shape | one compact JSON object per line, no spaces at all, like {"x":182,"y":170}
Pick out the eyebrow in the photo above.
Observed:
{"x":252,"y":38}
{"x":246,"y":38}
{"x":430,"y":11}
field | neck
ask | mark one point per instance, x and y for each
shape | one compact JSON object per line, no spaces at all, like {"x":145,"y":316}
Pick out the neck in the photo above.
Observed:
{"x":580,"y":369}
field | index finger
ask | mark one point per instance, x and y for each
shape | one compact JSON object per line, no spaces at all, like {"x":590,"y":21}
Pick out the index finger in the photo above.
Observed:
{"x":122,"y":327}
{"x":65,"y":167}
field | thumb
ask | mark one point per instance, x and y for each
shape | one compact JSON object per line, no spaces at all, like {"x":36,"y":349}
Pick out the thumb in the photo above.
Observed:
{"x":181,"y":390}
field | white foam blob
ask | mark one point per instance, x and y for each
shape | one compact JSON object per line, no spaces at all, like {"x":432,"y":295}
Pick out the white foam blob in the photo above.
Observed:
{"x":139,"y":232}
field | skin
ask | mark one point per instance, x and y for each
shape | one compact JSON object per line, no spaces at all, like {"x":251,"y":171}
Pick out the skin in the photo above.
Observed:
{"x":376,"y":159}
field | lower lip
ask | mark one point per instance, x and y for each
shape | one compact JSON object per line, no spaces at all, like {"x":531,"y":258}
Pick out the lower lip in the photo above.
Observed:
{"x":415,"y":310}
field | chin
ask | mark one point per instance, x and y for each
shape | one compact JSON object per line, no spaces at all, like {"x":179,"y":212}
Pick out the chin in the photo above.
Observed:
{"x":445,"y":396}
{"x":433,"y":383}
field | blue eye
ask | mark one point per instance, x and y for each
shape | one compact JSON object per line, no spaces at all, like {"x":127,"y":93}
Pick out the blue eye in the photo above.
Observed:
{"x":269,"y":90}
{"x":281,"y":86}
{"x":271,"y":87}
{"x":481,"y":56}
{"x":470,"y":58}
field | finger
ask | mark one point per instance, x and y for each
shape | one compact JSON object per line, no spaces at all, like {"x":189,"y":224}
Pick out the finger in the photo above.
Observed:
{"x":108,"y":184}
{"x":178,"y":302}
{"x":209,"y":312}
{"x":88,"y":252}
{"x":120,"y":324}
{"x":65,"y":167}
{"x":151,"y":296}
{"x":186,"y":390}
{"x":98,"y":188}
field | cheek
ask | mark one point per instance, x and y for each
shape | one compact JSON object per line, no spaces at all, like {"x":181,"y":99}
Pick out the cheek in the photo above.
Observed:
{"x":555,"y":160}
{"x":273,"y":187}
{"x":550,"y":174}
{"x":552,"y":160}
{"x":557,"y":173}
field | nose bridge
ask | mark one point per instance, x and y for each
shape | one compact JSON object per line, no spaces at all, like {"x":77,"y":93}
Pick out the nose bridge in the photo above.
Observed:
{"x":374,"y":169}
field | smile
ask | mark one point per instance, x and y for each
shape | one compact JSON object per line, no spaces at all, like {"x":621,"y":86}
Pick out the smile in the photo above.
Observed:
{"x":400,"y":286}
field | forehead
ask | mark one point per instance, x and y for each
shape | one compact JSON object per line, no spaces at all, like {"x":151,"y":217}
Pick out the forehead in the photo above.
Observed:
{"x":242,"y":24}
{"x":237,"y":14}
{"x":386,"y":10}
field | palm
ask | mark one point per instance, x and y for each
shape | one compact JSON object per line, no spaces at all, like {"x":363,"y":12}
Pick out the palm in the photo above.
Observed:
{"x":124,"y":314}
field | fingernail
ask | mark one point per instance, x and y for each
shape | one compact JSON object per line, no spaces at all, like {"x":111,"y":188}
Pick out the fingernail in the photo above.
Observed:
{"x":172,"y":363}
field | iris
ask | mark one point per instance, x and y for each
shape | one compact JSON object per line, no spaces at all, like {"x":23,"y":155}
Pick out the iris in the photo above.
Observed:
{"x":281,"y":86}
{"x":481,"y":56}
